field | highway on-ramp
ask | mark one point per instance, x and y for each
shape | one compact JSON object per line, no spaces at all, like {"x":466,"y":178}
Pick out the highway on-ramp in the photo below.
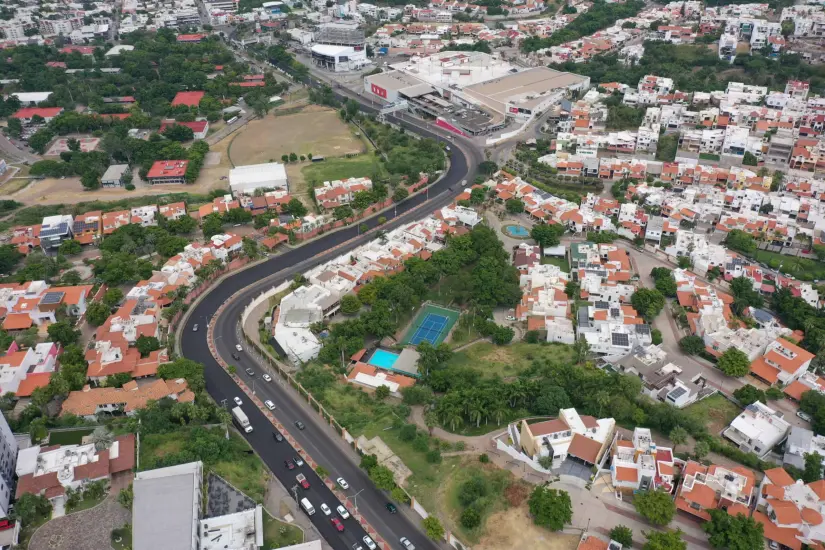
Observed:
{"x":318,"y":439}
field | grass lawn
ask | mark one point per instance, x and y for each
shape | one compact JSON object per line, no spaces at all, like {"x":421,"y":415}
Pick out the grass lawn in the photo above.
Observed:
{"x":509,"y":361}
{"x":239,"y":467}
{"x":495,"y":481}
{"x":801,"y":268}
{"x":708,"y":156}
{"x":71,"y":437}
{"x":87,"y":503}
{"x":715,"y":412}
{"x":427,"y":479}
{"x":561,"y":262}
{"x":341,"y":168}
{"x":278,"y":534}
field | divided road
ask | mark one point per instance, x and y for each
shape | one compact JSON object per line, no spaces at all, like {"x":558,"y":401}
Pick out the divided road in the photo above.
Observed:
{"x":318,"y":439}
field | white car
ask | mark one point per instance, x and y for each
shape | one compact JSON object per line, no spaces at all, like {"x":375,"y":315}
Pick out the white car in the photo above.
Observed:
{"x":299,"y":461}
{"x":269,"y":405}
{"x":238,"y":401}
{"x":325,"y":509}
{"x":405,"y":542}
{"x":267,"y":378}
{"x":369,"y":542}
{"x":342,"y":512}
{"x":342,"y":483}
{"x":238,"y":347}
{"x":510,"y":318}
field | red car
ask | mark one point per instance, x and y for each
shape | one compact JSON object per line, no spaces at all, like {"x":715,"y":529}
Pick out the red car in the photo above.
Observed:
{"x":301,"y":478}
{"x":289,"y":465}
{"x":338,"y":525}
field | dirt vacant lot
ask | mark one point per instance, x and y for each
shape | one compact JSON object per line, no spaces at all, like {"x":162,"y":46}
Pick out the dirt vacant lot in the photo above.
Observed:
{"x":315,"y":130}
{"x":513,"y":528}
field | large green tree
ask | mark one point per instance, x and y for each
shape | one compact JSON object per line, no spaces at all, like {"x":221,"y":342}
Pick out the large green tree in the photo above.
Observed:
{"x":738,"y":532}
{"x":648,"y":302}
{"x":656,"y":506}
{"x":734,"y":362}
{"x":550,"y":508}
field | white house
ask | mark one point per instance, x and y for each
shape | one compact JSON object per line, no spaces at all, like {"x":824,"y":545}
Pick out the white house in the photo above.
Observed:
{"x":758,"y":429}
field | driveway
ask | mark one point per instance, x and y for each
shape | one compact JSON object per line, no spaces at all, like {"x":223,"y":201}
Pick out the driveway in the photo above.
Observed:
{"x":575,"y":469}
{"x":90,"y":529}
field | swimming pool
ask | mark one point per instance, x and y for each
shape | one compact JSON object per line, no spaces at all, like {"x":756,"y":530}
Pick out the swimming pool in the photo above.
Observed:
{"x":518,"y":231}
{"x":383,"y":359}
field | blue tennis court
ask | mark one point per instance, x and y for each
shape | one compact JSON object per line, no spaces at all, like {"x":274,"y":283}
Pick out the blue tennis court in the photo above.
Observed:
{"x":430,"y":329}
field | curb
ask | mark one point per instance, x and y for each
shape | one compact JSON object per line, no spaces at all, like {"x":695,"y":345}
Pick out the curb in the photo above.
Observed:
{"x":280,"y":427}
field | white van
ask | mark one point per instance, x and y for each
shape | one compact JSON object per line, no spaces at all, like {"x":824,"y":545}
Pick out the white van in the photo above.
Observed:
{"x":307,"y":506}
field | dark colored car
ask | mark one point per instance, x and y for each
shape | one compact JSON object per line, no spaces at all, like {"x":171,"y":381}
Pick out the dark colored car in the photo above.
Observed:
{"x":289,"y":465}
{"x":391,"y":507}
{"x":300,"y":425}
{"x":235,"y":356}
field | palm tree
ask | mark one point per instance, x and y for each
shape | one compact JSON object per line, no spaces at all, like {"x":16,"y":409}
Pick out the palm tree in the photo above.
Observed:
{"x":497,"y":410}
{"x":430,"y":420}
{"x":678,"y":436}
{"x":102,"y":438}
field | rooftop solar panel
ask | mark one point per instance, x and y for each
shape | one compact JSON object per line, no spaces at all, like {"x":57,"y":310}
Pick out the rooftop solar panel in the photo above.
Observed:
{"x":677,"y":392}
{"x":643,"y":329}
{"x":620,"y":339}
{"x":52,"y":297}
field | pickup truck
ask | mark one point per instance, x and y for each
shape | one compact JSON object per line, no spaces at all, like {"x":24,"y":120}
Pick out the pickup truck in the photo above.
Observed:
{"x":302,"y":480}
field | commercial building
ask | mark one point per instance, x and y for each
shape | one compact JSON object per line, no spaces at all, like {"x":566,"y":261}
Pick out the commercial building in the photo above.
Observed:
{"x":246,"y":179}
{"x":26,"y":114}
{"x":473,"y":91}
{"x":200,"y":128}
{"x":166,"y":508}
{"x":339,"y":58}
{"x":168,"y":172}
{"x":167,"y":513}
{"x":113,"y":177}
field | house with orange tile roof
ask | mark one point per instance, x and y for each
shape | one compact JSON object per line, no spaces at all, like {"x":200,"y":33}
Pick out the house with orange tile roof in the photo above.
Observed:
{"x":782,"y":363}
{"x":332,"y":194}
{"x":757,"y":429}
{"x":582,"y":438}
{"x":136,"y":317}
{"x":51,"y":471}
{"x":24,"y":370}
{"x":790,"y":511}
{"x":115,"y":220}
{"x":363,"y":374}
{"x":89,"y":402}
{"x":88,"y":227}
{"x":35,"y":303}
{"x":219,"y":205}
{"x":713,"y":487}
{"x":114,"y":356}
{"x":172,"y":211}
{"x":641,"y":465}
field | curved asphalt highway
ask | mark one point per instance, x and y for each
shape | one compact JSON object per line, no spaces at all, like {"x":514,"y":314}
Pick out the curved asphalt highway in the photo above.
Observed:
{"x":319,"y":440}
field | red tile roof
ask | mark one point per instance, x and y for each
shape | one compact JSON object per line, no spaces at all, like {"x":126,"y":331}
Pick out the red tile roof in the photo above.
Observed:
{"x":45,"y":112}
{"x":191,"y":99}
{"x":168,"y":168}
